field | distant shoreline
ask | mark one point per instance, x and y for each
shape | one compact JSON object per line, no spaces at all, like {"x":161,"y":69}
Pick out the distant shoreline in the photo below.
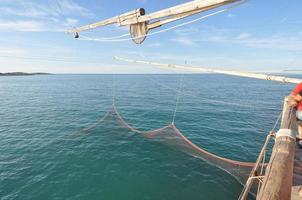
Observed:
{"x":22,"y":74}
{"x":42,"y":73}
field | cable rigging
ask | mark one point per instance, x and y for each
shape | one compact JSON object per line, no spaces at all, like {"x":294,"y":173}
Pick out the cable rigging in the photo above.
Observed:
{"x":116,"y":38}
{"x":141,"y":23}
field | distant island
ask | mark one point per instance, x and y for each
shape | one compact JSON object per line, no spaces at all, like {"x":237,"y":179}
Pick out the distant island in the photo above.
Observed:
{"x":22,"y":74}
{"x":292,"y":70}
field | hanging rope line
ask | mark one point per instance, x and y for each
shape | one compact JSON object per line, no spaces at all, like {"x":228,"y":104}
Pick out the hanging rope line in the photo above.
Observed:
{"x":85,"y":37}
{"x":259,"y":163}
{"x":106,"y":39}
{"x":204,"y":99}
{"x":113,"y":89}
{"x":214,"y":102}
{"x":177,"y":98}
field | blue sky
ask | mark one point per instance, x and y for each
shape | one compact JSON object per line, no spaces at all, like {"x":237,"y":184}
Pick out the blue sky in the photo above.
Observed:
{"x":257,"y":36}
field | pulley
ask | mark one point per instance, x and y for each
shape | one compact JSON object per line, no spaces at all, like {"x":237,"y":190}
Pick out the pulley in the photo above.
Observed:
{"x":76,"y":35}
{"x":141,"y":23}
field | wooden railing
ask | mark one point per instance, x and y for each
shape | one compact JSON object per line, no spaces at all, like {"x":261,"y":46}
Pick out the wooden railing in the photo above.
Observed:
{"x":277,"y":183}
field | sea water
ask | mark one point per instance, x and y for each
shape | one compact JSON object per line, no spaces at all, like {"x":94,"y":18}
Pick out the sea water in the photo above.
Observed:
{"x":228,"y":116}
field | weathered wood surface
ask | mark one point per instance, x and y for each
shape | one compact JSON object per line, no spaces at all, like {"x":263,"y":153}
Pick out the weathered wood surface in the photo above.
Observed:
{"x":297,"y":179}
{"x":176,"y":12}
{"x":279,"y":173}
{"x":197,"y":5}
{"x":118,"y":19}
{"x":278,"y":180}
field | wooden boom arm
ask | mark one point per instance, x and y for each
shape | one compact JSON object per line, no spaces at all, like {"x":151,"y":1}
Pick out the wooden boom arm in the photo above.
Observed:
{"x":140,"y":23}
{"x":188,"y":9}
{"x":121,"y":20}
{"x":218,"y":71}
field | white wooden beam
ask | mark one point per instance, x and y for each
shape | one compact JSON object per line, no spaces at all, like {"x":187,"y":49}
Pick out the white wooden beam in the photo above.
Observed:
{"x":282,"y":79}
{"x":201,"y":5}
{"x":174,"y":13}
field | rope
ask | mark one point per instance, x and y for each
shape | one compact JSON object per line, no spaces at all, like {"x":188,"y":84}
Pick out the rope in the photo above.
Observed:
{"x":109,"y":38}
{"x":277,"y":122}
{"x":261,"y":158}
{"x":261,"y":170}
{"x":160,"y":31}
{"x":113,"y":89}
{"x":249,"y":183}
{"x":178,"y":98}
{"x":204,"y":99}
{"x":209,"y":101}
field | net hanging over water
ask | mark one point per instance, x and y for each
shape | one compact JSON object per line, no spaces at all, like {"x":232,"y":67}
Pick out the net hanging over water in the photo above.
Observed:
{"x":171,"y":136}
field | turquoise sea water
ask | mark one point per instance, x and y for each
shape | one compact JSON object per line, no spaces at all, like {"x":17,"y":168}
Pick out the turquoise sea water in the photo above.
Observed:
{"x":228,"y":116}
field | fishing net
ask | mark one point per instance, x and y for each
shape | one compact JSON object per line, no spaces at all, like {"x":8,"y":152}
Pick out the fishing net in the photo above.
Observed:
{"x":171,"y":136}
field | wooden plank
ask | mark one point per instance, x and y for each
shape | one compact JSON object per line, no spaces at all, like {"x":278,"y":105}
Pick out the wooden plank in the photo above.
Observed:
{"x":296,"y":193}
{"x":278,"y":180}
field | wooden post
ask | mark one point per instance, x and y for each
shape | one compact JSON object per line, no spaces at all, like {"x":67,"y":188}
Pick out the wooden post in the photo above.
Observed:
{"x":277,"y":184}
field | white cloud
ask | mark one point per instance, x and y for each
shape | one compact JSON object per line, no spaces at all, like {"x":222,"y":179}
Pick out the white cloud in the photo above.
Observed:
{"x":12,"y":51}
{"x":70,"y":22}
{"x":186,"y":31}
{"x":142,"y":1}
{"x":193,"y":37}
{"x":24,"y":12}
{"x":155,"y":44}
{"x":243,"y":36}
{"x":70,"y":7}
{"x":21,"y":25}
{"x":185,"y":41}
{"x":274,"y":42}
{"x":54,"y":8}
{"x":37,"y":25}
{"x":30,"y":16}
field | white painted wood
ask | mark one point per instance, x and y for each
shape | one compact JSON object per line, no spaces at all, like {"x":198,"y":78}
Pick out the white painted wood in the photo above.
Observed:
{"x":175,"y":13}
{"x":159,"y":23}
{"x":282,"y":79}
{"x":201,"y":5}
{"x":121,"y":19}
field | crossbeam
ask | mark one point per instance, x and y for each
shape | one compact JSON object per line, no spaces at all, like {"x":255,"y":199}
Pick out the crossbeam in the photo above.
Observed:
{"x":197,"y":5}
{"x":282,"y":79}
{"x":139,"y":20}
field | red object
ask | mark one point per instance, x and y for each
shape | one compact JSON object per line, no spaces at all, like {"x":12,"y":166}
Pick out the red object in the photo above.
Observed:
{"x":298,"y":90}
